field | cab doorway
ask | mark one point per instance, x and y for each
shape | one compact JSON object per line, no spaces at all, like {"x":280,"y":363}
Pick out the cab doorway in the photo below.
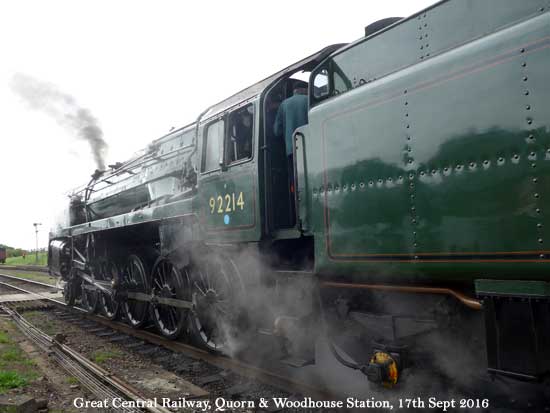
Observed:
{"x":280,"y":173}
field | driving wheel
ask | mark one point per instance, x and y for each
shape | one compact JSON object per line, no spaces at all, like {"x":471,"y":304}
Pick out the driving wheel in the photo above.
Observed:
{"x":135,"y":281}
{"x":109,"y":305}
{"x":169,"y":282}
{"x":90,"y":297}
{"x":216,"y":292}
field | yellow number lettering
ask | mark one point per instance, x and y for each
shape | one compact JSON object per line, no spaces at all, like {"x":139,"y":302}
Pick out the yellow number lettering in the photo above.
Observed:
{"x":240,"y":201}
{"x":227,"y":203}
{"x":212,"y":203}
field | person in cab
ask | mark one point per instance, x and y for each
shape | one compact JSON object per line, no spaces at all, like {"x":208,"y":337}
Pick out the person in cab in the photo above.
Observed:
{"x":292,"y":114}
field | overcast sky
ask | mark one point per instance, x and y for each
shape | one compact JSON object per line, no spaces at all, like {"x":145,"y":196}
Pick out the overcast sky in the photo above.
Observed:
{"x":140,"y":67}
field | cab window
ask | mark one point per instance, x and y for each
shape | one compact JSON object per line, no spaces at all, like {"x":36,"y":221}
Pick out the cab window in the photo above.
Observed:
{"x":320,"y":84}
{"x":238,"y":144}
{"x":328,"y":81}
{"x":341,"y":84}
{"x":340,"y":81}
{"x":212,"y":146}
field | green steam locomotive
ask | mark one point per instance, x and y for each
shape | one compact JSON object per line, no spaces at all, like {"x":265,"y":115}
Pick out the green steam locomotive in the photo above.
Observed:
{"x":413,"y":204}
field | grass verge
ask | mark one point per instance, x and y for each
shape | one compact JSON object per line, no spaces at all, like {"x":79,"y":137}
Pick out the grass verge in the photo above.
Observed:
{"x":30,"y":259}
{"x":16,"y":369}
{"x":11,"y":380}
{"x":34,"y":276}
{"x":101,"y":356}
{"x":37,"y":318}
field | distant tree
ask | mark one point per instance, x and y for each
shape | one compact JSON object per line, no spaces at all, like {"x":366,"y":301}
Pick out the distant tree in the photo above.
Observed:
{"x":13,"y":252}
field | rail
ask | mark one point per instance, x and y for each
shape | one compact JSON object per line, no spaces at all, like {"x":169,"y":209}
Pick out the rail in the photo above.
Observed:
{"x":100,"y":382}
{"x":262,"y":375}
{"x":37,"y":268}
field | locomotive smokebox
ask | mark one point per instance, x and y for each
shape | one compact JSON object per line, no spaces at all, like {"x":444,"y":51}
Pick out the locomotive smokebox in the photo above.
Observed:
{"x":58,"y":258}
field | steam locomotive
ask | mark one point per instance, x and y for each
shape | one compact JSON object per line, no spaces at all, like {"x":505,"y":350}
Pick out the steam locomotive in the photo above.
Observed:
{"x":414,"y":207}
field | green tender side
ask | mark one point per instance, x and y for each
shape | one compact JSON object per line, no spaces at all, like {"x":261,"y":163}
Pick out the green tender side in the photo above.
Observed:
{"x":512,"y":288}
{"x":440,"y":168}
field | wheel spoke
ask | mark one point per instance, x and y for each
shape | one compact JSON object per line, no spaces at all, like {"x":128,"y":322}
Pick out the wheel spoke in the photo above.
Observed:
{"x":160,"y":275}
{"x":174,"y":280}
{"x":220,"y":309}
{"x":209,"y":280}
{"x":164,"y":277}
{"x":203,"y":279}
{"x":199,"y":288}
{"x":158,"y":284}
{"x":173,"y":317}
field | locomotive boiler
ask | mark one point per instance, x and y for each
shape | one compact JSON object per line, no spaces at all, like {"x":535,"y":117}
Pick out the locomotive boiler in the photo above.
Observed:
{"x":415,"y":204}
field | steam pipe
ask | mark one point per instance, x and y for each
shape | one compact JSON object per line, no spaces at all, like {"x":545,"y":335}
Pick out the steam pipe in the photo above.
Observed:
{"x":464,"y":299}
{"x":123,"y":169}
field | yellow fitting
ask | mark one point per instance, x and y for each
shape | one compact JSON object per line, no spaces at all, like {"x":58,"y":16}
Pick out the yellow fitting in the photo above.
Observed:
{"x":382,"y":358}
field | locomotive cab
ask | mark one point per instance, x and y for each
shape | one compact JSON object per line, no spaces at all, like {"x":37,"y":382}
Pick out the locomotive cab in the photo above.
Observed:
{"x":247,"y":186}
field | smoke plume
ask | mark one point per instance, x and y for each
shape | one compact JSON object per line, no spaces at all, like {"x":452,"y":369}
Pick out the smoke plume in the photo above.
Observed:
{"x":61,"y":106}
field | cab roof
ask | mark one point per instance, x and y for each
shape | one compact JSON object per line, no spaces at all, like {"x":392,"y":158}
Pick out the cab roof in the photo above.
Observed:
{"x":309,"y":63}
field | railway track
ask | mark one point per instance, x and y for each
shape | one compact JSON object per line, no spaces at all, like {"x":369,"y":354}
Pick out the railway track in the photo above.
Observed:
{"x":147,"y":342}
{"x":34,"y":268}
{"x":32,"y":287}
{"x":101,"y":383}
{"x":208,"y":371}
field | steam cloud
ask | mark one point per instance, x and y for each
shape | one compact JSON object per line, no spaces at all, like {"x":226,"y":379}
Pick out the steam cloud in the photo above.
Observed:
{"x":61,"y":106}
